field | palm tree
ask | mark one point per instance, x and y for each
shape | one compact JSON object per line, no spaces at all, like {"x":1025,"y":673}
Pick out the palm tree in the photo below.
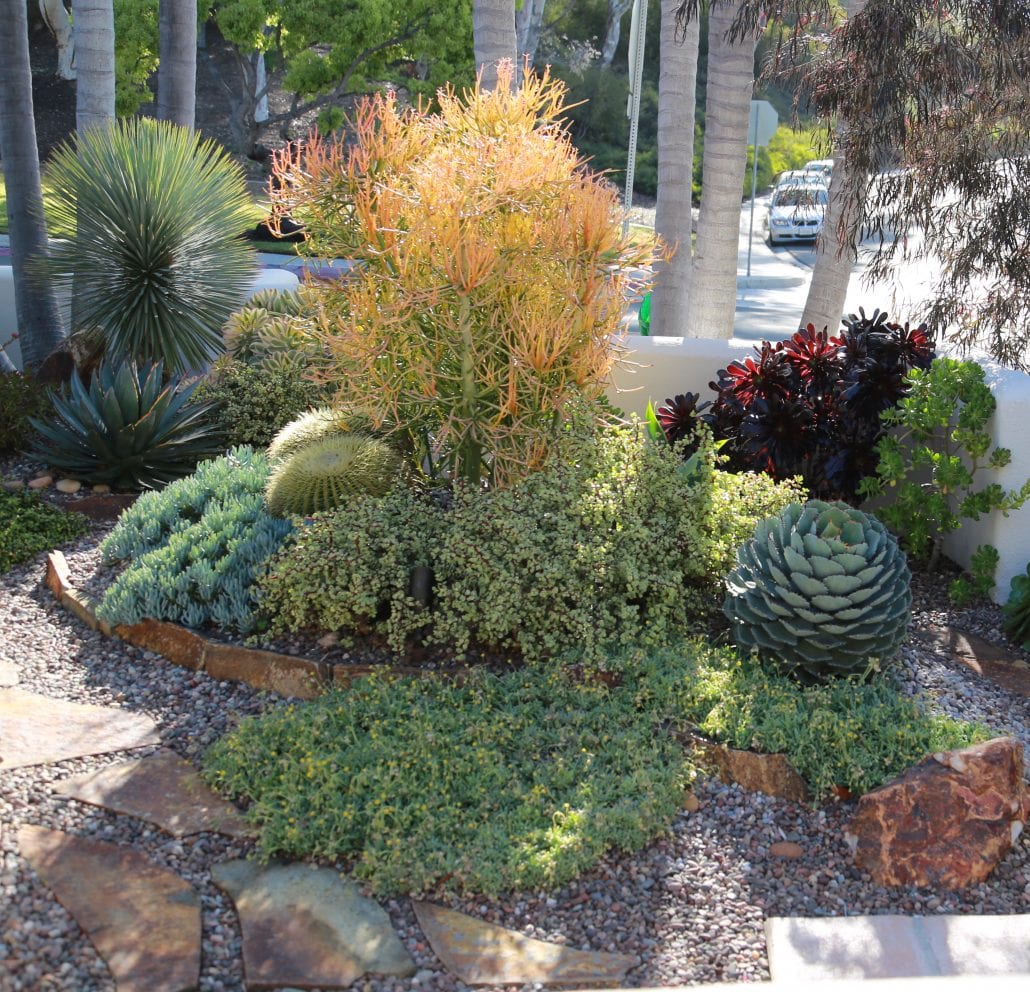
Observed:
{"x":39,"y":320}
{"x":493,"y":37}
{"x":676,"y":86}
{"x":731,"y":64}
{"x":94,"y":63}
{"x":528,"y":21}
{"x":177,"y":69}
{"x":56,"y":17}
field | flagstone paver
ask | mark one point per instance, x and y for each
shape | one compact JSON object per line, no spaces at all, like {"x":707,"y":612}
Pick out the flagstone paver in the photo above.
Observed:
{"x":143,"y":919}
{"x":308,"y":927}
{"x":8,"y":675}
{"x":161,"y":788}
{"x":482,"y":953}
{"x":37,"y":730}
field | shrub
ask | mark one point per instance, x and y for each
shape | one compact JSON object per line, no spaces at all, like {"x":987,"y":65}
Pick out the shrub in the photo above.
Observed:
{"x":943,"y":430}
{"x":129,"y":428}
{"x":28,"y":526}
{"x":145,"y":215}
{"x":492,"y":273}
{"x":1016,"y":611}
{"x":810,"y":406}
{"x":610,"y":542}
{"x":532,"y":779}
{"x":195,"y":548}
{"x":846,"y":734}
{"x":251,"y":404}
{"x":21,"y":396}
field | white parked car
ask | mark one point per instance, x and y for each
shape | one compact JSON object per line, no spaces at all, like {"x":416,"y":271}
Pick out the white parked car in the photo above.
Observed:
{"x":820,"y":168}
{"x":794,"y":177}
{"x":796,"y":213}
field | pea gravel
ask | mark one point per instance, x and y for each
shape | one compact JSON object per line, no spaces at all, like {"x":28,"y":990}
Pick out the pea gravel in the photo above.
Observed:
{"x":691,"y":905}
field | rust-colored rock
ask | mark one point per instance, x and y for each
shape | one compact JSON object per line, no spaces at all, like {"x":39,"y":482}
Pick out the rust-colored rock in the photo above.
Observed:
{"x":772,"y":774}
{"x":996,"y":663}
{"x":691,"y":803}
{"x":103,"y":506}
{"x":947,"y":821}
{"x":269,"y":670}
{"x":178,"y":644}
{"x":80,"y":605}
{"x":58,"y":577}
{"x":786,"y":849}
{"x":41,"y":482}
{"x":144,"y":920}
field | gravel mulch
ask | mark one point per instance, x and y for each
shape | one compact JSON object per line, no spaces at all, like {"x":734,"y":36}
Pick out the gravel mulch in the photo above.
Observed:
{"x":691,"y":905}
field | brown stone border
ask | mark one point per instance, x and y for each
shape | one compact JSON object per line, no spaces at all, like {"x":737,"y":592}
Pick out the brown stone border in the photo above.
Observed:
{"x":272,"y":671}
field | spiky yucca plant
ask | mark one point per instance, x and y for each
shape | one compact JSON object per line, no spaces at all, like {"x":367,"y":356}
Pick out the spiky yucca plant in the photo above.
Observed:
{"x":324,"y":473}
{"x":822,"y":590}
{"x":145,"y":216}
{"x":129,"y":428}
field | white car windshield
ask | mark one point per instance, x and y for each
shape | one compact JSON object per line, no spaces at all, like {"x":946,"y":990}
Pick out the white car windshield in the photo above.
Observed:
{"x":799,"y":196}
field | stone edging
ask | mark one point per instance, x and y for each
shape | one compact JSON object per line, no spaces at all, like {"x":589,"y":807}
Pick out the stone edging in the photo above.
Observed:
{"x":272,"y":671}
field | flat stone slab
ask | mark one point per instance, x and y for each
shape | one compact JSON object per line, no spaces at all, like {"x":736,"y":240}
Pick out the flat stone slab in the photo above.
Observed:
{"x":307,"y":927}
{"x":860,"y":947}
{"x":37,"y":730}
{"x":998,"y":664}
{"x":8,"y":675}
{"x":143,"y":920}
{"x":480,"y":953}
{"x":162,"y":789}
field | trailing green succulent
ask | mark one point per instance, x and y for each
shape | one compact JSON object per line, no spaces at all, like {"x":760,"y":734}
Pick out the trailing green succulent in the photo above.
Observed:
{"x":129,"y":428}
{"x":326,"y":473}
{"x":1016,"y":612}
{"x":195,"y":548}
{"x":28,"y":526}
{"x":822,"y":591}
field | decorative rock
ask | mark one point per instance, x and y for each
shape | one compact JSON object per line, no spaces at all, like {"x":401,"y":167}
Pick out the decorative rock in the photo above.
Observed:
{"x":161,"y":789}
{"x":481,"y":953}
{"x":58,"y":577}
{"x":691,"y":803}
{"x":41,"y":482}
{"x":308,"y":927}
{"x":269,"y":670}
{"x":144,"y":920}
{"x":80,"y":605}
{"x":998,"y":664}
{"x":8,"y":675}
{"x":37,"y":730}
{"x":786,"y":849}
{"x":14,"y":485}
{"x":68,"y":486}
{"x":772,"y":774}
{"x":104,"y":506}
{"x":178,"y":644}
{"x":947,"y":821}
{"x":100,"y":488}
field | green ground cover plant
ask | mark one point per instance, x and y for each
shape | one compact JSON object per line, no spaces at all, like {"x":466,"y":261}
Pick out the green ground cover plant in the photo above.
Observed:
{"x":195,"y":548}
{"x":28,"y":526}
{"x":21,"y":396}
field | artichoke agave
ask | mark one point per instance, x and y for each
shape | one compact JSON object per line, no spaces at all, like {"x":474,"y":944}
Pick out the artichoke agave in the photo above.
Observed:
{"x":129,"y":429}
{"x":822,"y":590}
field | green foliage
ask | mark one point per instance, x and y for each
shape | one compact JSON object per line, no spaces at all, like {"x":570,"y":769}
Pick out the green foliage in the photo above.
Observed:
{"x":790,"y":149}
{"x":1016,"y":611}
{"x":616,"y":540}
{"x":502,"y":782}
{"x":252,"y":404}
{"x":28,"y":526}
{"x":314,"y":425}
{"x":21,"y":397}
{"x":942,"y":432}
{"x":329,"y":472}
{"x":145,"y":215}
{"x":821,"y":591}
{"x":129,"y":428}
{"x":195,"y":548}
{"x":273,"y":331}
{"x":847,"y":733}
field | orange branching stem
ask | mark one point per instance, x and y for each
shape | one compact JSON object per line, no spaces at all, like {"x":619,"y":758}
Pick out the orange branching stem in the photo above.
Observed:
{"x":491,"y":272}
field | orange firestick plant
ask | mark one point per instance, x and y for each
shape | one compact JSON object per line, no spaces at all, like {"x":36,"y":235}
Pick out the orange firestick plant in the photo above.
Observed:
{"x":491,"y":279}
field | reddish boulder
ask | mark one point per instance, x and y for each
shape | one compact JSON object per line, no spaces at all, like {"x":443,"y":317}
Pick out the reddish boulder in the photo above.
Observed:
{"x":947,"y":821}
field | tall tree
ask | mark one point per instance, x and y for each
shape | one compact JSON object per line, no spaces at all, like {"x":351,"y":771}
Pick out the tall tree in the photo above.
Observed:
{"x":676,"y":99}
{"x":94,"y":63}
{"x":613,"y":29}
{"x":177,"y":69}
{"x":731,"y":69}
{"x":56,"y":17}
{"x":493,"y":36}
{"x":529,"y":20}
{"x":39,"y":320}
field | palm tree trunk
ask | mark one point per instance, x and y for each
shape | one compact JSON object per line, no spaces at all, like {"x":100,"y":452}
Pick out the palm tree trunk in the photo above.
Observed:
{"x":493,"y":37}
{"x":55,"y":14}
{"x":94,"y":63}
{"x":39,"y":320}
{"x":835,"y":256}
{"x":676,"y":99}
{"x":528,"y":20}
{"x":177,"y":69}
{"x":731,"y":71}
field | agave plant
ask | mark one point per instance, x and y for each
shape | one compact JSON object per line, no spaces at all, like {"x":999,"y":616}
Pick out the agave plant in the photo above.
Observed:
{"x":822,"y":590}
{"x":129,"y":428}
{"x":1016,"y":612}
{"x":145,"y":215}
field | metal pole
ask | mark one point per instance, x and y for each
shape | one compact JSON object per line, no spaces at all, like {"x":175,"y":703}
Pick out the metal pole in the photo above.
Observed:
{"x":637,"y":62}
{"x":754,"y":188}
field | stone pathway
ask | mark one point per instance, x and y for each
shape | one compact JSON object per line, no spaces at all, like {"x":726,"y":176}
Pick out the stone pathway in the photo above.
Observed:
{"x":303,"y":927}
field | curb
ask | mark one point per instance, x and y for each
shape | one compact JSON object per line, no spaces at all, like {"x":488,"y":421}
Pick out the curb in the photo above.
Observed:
{"x":770,"y":282}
